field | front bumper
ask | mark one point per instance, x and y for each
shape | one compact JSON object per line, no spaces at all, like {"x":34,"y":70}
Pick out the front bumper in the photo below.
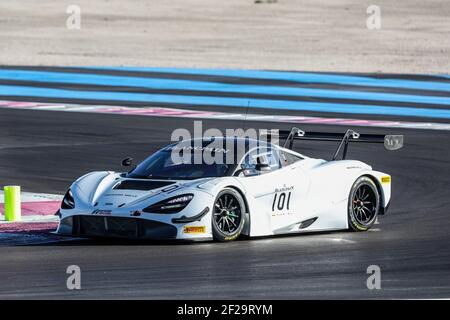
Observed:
{"x":116,"y":227}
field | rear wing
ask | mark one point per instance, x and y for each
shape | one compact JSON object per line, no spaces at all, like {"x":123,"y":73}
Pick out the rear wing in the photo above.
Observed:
{"x":390,"y":142}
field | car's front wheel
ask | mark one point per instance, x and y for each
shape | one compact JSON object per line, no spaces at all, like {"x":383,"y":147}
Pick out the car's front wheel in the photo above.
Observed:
{"x":363,"y":204}
{"x":228,"y":215}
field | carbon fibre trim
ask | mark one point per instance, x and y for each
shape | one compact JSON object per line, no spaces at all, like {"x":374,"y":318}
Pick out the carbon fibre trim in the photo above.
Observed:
{"x":197,"y":217}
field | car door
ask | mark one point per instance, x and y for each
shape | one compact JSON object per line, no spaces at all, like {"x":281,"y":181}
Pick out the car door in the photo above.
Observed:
{"x":278,"y":190}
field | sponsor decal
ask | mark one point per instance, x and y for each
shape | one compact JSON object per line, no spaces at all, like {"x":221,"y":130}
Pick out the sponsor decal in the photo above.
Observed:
{"x":284,"y":188}
{"x":120,"y":195}
{"x":98,"y":212}
{"x":194,"y":229}
{"x":281,"y":214}
{"x":386,"y":179}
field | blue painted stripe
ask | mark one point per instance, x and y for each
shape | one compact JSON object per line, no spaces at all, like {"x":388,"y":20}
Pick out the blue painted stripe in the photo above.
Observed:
{"x":173,"y":84}
{"x":218,"y":101}
{"x":302,"y":77}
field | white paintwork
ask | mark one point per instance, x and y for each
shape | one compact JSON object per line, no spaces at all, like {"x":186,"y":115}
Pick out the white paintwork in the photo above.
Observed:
{"x":318,"y":188}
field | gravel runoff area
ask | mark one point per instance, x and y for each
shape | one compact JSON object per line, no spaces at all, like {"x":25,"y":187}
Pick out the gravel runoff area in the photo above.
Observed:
{"x":310,"y":35}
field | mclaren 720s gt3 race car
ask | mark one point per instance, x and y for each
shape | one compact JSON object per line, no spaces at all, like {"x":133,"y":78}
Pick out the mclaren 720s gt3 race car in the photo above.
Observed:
{"x":267,"y":189}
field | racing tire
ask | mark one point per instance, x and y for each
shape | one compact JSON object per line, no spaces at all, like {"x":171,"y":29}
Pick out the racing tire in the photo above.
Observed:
{"x":363,"y":204}
{"x":228,"y":215}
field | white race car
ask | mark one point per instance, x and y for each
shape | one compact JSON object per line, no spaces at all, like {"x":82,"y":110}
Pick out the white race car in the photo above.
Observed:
{"x":266,"y":190}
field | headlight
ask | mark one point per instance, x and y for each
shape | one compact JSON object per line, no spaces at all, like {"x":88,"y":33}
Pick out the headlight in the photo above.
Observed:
{"x":171,"y":205}
{"x":68,"y":202}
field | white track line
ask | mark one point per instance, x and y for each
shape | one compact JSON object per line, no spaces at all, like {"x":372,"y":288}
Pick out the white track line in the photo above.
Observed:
{"x":184,"y":113}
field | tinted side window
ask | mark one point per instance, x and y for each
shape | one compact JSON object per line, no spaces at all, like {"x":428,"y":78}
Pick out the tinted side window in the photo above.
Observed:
{"x":263,"y":155}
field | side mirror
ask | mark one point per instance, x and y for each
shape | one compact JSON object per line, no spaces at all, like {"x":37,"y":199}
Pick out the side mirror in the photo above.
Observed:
{"x":127,"y":162}
{"x":264,"y":167}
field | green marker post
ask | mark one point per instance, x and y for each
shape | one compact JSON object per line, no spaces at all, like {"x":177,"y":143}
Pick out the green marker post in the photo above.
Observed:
{"x":12,"y":203}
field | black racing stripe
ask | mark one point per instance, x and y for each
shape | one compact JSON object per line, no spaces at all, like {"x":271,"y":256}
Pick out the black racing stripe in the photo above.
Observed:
{"x":229,"y":80}
{"x":224,"y":109}
{"x":155,"y":75}
{"x":416,"y":92}
{"x":393,"y":76}
{"x":140,"y":90}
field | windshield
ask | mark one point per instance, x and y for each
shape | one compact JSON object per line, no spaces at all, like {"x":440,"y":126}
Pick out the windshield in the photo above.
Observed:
{"x":194,"y":159}
{"x":161,"y":165}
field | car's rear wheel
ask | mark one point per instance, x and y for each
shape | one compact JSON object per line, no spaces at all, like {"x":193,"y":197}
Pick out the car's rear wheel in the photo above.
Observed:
{"x":228,"y":215}
{"x":363,"y":204}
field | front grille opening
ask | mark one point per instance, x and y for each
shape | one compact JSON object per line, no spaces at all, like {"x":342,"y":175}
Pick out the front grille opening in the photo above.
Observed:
{"x":122,"y":227}
{"x":104,"y":226}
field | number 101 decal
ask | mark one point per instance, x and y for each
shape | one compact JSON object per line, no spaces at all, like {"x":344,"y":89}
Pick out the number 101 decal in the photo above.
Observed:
{"x":281,"y":201}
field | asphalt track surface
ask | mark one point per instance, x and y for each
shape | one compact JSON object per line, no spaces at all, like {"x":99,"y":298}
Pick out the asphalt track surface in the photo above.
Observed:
{"x":45,"y":150}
